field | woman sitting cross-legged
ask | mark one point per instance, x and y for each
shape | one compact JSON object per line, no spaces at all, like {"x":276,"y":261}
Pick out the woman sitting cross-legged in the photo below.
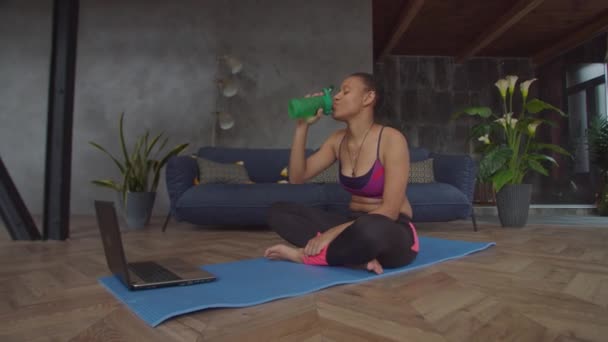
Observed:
{"x":374,"y":167}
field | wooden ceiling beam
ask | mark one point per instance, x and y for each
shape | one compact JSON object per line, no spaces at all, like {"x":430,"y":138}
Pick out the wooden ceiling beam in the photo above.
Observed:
{"x":502,"y":24}
{"x":588,"y":31}
{"x":408,"y":13}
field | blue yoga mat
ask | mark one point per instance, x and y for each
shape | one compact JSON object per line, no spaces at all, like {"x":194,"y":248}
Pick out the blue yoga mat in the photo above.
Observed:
{"x":255,"y":281}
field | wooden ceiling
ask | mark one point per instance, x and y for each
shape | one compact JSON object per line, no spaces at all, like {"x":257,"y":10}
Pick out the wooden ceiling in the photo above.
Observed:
{"x":537,"y":29}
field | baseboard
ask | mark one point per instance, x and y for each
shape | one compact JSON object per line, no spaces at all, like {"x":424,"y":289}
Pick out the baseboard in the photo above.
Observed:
{"x":543,"y":209}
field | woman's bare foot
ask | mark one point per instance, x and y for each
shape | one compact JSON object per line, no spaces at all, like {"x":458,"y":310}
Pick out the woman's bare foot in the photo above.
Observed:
{"x":372,"y":266}
{"x":375,"y":267}
{"x":282,"y":252}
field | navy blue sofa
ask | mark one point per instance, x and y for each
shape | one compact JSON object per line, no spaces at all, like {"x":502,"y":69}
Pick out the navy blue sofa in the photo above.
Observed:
{"x":449,"y":198}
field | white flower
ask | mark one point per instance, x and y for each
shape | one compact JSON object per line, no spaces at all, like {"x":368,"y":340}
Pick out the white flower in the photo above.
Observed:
{"x":502,"y":85}
{"x":524,"y":86}
{"x":485,"y":139}
{"x":532,"y":127}
{"x":513,"y":122}
{"x":512,"y":81}
{"x":507,"y":119}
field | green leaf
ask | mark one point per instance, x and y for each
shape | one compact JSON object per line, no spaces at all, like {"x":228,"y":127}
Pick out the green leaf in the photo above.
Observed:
{"x":107,"y":184}
{"x":126,"y":187}
{"x":548,"y":122}
{"x":535,"y":106}
{"x":120,"y":167}
{"x":536,"y":166}
{"x":138,"y":169}
{"x":543,"y":157}
{"x":483,"y":112}
{"x":162,"y":145}
{"x":144,"y":144}
{"x":494,"y":161}
{"x":159,"y":165}
{"x":154,"y":141}
{"x":552,"y":147}
{"x":525,"y":121}
{"x":522,"y":124}
{"x":122,"y":140}
{"x":598,"y":142}
{"x":501,"y":178}
{"x":136,"y":178}
{"x":479,"y":130}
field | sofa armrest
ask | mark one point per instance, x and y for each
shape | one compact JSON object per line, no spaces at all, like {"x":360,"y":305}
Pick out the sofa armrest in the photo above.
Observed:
{"x":180,"y":173}
{"x":458,"y":170}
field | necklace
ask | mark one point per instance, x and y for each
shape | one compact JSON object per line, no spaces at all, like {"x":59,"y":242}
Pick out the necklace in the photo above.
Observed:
{"x":354,"y":165}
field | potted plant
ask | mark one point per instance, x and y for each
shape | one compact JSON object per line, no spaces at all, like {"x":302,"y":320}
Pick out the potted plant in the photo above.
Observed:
{"x":509,"y":149}
{"x":598,"y":146}
{"x":140,"y":174}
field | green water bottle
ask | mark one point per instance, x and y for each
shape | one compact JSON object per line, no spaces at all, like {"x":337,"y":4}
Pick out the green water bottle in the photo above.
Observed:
{"x":306,"y":107}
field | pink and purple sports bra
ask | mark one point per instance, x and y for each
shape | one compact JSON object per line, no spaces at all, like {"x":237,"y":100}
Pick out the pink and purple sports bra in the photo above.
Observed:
{"x":370,"y":184}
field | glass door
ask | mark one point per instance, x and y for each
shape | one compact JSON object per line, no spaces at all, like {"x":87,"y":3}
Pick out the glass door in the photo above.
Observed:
{"x":586,"y":99}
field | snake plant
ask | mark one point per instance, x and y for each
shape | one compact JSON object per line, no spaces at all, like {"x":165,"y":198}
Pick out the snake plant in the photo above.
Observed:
{"x":140,"y":167}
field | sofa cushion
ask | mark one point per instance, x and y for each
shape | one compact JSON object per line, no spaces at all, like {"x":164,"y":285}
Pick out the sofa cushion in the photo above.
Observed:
{"x":437,"y":202}
{"x":430,"y":201}
{"x":247,"y":195}
{"x":242,"y":203}
{"x":335,"y":195}
{"x":211,"y":172}
{"x":329,"y":175}
{"x":435,"y":193}
{"x":422,"y":172}
{"x":419,"y":193}
{"x":263,"y":165}
{"x":418,"y":154}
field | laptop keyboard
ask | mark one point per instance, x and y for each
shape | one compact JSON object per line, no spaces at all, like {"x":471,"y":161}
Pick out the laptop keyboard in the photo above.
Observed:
{"x":150,"y":271}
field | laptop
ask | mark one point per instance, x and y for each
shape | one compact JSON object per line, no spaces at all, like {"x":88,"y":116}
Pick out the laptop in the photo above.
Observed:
{"x":142,"y":274}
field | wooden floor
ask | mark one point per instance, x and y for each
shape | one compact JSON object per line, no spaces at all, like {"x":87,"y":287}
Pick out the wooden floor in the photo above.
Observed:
{"x":540,"y":283}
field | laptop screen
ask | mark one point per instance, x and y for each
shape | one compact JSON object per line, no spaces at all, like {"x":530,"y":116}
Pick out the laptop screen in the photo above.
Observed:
{"x":112,"y":242}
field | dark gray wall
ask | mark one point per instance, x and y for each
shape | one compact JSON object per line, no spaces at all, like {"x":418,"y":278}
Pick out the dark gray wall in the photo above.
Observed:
{"x":156,"y":61}
{"x":423,"y":92}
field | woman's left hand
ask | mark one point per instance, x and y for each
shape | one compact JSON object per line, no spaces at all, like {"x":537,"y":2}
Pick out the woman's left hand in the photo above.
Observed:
{"x":316,"y":244}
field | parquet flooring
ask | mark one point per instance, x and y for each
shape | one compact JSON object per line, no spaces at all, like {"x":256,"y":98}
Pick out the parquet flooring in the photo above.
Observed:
{"x":540,"y":283}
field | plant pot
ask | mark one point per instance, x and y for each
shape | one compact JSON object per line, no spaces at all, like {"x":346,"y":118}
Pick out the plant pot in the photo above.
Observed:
{"x":513,"y":204}
{"x":602,"y":201}
{"x":138,"y":209}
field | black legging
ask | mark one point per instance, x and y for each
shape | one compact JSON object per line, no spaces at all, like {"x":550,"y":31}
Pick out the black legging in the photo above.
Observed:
{"x":371,"y":236}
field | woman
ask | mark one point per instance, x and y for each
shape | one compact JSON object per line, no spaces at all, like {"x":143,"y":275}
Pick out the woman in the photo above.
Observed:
{"x":374,"y":168}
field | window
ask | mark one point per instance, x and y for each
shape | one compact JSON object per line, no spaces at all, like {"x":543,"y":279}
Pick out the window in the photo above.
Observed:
{"x":586,"y":91}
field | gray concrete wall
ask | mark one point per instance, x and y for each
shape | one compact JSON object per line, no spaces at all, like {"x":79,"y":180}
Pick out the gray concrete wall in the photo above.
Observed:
{"x":156,"y":61}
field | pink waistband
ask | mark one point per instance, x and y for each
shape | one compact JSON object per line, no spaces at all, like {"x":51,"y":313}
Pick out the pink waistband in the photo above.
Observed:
{"x":319,"y":259}
{"x":416,"y":245}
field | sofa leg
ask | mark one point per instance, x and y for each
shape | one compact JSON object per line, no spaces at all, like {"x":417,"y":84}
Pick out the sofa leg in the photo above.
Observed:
{"x":474,"y":220}
{"x":166,"y":221}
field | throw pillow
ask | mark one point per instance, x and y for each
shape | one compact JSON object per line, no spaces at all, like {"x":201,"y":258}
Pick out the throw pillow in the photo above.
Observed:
{"x":329,"y":175}
{"x":422,"y":172}
{"x":224,"y":173}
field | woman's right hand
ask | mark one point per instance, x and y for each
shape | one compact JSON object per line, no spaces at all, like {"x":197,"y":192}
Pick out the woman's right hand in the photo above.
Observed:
{"x":311,"y":120}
